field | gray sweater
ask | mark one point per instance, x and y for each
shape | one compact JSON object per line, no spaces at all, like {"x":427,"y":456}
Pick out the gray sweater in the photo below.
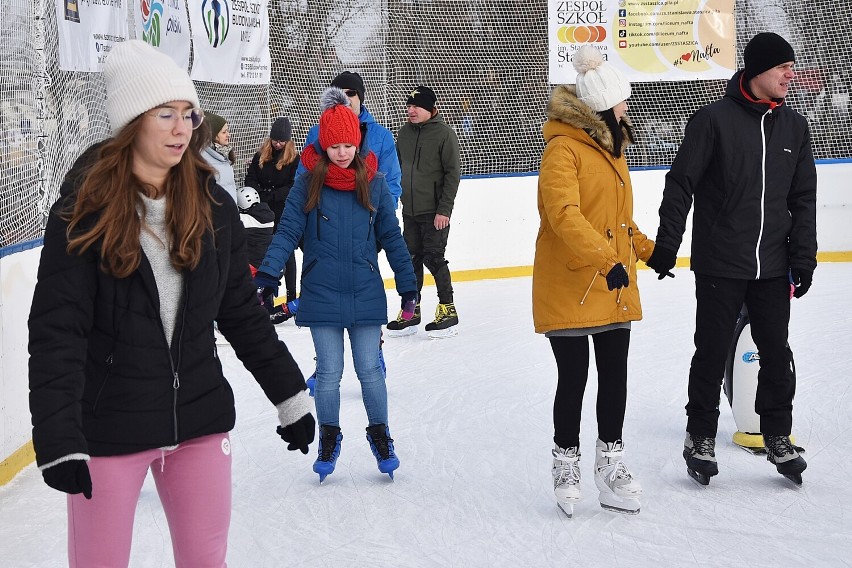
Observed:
{"x":156,"y":243}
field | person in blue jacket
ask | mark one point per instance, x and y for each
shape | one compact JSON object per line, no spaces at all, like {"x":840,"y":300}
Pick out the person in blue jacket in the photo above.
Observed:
{"x":341,"y":206}
{"x":378,"y":139}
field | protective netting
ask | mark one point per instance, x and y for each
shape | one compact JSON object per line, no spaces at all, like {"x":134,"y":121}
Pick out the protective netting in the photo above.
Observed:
{"x":485,"y":59}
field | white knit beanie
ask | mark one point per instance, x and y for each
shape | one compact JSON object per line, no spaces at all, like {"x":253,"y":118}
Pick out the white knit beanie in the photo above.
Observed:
{"x":138,"y":78}
{"x":599,"y":85}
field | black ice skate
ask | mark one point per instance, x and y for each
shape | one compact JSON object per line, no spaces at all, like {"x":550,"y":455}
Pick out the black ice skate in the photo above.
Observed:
{"x":446,"y":320}
{"x":401,"y":327}
{"x":785,"y":456}
{"x":700,"y":455}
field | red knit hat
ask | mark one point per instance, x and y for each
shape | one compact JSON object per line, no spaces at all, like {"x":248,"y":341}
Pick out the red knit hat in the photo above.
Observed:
{"x":337,"y":124}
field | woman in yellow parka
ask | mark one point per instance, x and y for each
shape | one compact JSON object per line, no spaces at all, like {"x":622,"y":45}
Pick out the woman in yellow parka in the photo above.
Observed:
{"x":584,"y":276}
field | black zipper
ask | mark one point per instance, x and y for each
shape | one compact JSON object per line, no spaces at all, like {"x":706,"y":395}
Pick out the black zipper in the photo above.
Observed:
{"x":108,"y":362}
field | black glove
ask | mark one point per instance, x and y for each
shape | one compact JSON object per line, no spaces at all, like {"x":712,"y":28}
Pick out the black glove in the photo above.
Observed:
{"x":617,"y":277}
{"x":264,"y":280}
{"x":267,"y":287}
{"x":802,"y":279}
{"x":662,"y":261}
{"x":299,"y":434}
{"x":70,"y":476}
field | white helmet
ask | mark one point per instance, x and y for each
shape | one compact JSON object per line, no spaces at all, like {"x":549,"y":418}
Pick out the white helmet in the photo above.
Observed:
{"x":246,"y":197}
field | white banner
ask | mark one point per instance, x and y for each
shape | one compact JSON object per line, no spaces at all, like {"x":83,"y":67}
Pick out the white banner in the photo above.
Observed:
{"x":163,"y":24}
{"x":231,"y":41}
{"x":648,"y":40}
{"x":87,"y":31}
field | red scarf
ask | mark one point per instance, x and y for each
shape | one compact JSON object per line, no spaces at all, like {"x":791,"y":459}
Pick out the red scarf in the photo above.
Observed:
{"x":337,"y":177}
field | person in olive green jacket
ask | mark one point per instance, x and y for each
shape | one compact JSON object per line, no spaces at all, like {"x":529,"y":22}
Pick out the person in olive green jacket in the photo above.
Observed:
{"x":428,"y":152}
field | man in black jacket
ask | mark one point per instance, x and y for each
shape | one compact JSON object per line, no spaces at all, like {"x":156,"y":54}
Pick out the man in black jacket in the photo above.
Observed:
{"x":747,"y":162}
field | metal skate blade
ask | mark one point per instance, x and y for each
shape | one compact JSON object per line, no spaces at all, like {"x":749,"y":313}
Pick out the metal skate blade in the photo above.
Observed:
{"x":567,"y":509}
{"x":411,"y":330}
{"x":620,"y":510}
{"x":443,"y":333}
{"x":624,"y":505}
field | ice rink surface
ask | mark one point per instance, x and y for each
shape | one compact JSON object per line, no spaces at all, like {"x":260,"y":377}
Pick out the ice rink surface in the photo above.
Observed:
{"x":471,"y":417}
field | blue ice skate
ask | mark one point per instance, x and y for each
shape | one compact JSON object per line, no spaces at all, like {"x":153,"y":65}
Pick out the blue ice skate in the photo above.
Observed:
{"x":382,"y":445}
{"x":329,"y":450}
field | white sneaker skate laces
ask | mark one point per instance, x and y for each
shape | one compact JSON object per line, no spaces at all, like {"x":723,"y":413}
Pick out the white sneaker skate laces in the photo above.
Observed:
{"x":615,"y":470}
{"x":567,"y":472}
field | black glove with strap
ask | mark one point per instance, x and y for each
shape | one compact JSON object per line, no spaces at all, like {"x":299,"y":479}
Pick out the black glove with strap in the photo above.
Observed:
{"x":802,"y":279}
{"x":617,"y":277}
{"x":70,"y":476}
{"x":662,"y":261}
{"x":299,"y":434}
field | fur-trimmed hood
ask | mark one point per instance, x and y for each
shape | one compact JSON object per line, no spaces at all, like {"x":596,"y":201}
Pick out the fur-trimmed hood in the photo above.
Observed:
{"x":565,"y":109}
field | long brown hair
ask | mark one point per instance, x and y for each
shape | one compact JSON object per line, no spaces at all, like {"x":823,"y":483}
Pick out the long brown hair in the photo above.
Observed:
{"x":105,"y":209}
{"x":287,"y":155}
{"x":362,"y":182}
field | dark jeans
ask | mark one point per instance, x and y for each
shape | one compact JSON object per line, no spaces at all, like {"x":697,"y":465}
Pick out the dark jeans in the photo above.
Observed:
{"x":426,"y":246}
{"x":718,"y":302}
{"x":572,"y":363}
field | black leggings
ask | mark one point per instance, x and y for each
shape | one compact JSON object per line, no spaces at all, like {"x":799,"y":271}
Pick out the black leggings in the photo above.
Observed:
{"x":572,"y":363}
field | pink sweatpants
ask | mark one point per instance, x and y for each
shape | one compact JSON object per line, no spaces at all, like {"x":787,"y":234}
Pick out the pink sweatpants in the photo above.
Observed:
{"x":194,"y":485}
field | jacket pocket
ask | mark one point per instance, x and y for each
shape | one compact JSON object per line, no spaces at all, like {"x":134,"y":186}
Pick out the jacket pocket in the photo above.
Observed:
{"x":309,"y":267}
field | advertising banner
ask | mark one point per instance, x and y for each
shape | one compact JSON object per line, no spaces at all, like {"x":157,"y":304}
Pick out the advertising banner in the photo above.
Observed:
{"x":648,"y":40}
{"x":164,"y":25}
{"x":230,"y":41}
{"x":87,"y":31}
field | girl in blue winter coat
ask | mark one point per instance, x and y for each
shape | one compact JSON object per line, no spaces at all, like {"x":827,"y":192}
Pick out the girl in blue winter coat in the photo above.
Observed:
{"x":341,"y":206}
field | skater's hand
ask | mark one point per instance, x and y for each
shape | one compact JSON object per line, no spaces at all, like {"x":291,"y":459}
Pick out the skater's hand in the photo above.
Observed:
{"x":408,"y":303}
{"x":299,"y":434}
{"x":662,"y":261}
{"x":267,"y":282}
{"x":71,"y":477}
{"x":802,"y":279}
{"x":617,"y":277}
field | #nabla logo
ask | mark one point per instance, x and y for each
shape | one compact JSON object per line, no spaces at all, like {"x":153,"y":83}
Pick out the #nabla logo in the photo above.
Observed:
{"x":216,"y":15}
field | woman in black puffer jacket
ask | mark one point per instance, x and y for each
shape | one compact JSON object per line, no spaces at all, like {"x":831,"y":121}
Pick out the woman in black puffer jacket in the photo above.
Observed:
{"x":142,"y":251}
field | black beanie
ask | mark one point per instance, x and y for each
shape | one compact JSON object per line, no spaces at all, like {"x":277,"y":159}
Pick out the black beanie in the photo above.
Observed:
{"x":281,"y":130}
{"x":350,"y":80}
{"x":215,"y":122}
{"x":765,"y":51}
{"x":423,"y":97}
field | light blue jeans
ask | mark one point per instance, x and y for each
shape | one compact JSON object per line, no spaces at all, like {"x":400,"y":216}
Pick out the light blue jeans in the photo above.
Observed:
{"x":364,"y":341}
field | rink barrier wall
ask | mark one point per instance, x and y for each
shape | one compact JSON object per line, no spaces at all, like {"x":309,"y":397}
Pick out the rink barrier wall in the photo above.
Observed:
{"x":494,"y":226}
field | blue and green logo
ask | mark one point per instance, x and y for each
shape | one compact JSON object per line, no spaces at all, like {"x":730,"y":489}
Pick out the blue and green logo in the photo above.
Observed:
{"x":152,"y":17}
{"x":216,"y":15}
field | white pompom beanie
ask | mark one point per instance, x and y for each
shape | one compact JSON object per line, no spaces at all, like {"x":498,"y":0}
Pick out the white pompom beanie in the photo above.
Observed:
{"x":599,"y":85}
{"x":138,"y":78}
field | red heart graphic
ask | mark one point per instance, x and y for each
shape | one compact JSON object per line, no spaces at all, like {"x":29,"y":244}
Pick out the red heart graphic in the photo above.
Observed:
{"x":686,"y":56}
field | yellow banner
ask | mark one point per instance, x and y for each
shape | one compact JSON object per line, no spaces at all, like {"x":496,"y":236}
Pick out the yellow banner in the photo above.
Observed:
{"x":648,"y":40}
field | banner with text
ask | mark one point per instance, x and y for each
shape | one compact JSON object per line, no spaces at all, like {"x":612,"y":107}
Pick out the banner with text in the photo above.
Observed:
{"x":87,"y":31}
{"x":648,"y":40}
{"x":163,"y":24}
{"x":230,"y":41}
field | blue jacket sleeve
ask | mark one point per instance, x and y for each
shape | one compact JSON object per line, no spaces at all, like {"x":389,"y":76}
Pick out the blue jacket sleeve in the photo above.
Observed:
{"x":390,"y":235}
{"x":290,"y":229}
{"x":389,"y":165}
